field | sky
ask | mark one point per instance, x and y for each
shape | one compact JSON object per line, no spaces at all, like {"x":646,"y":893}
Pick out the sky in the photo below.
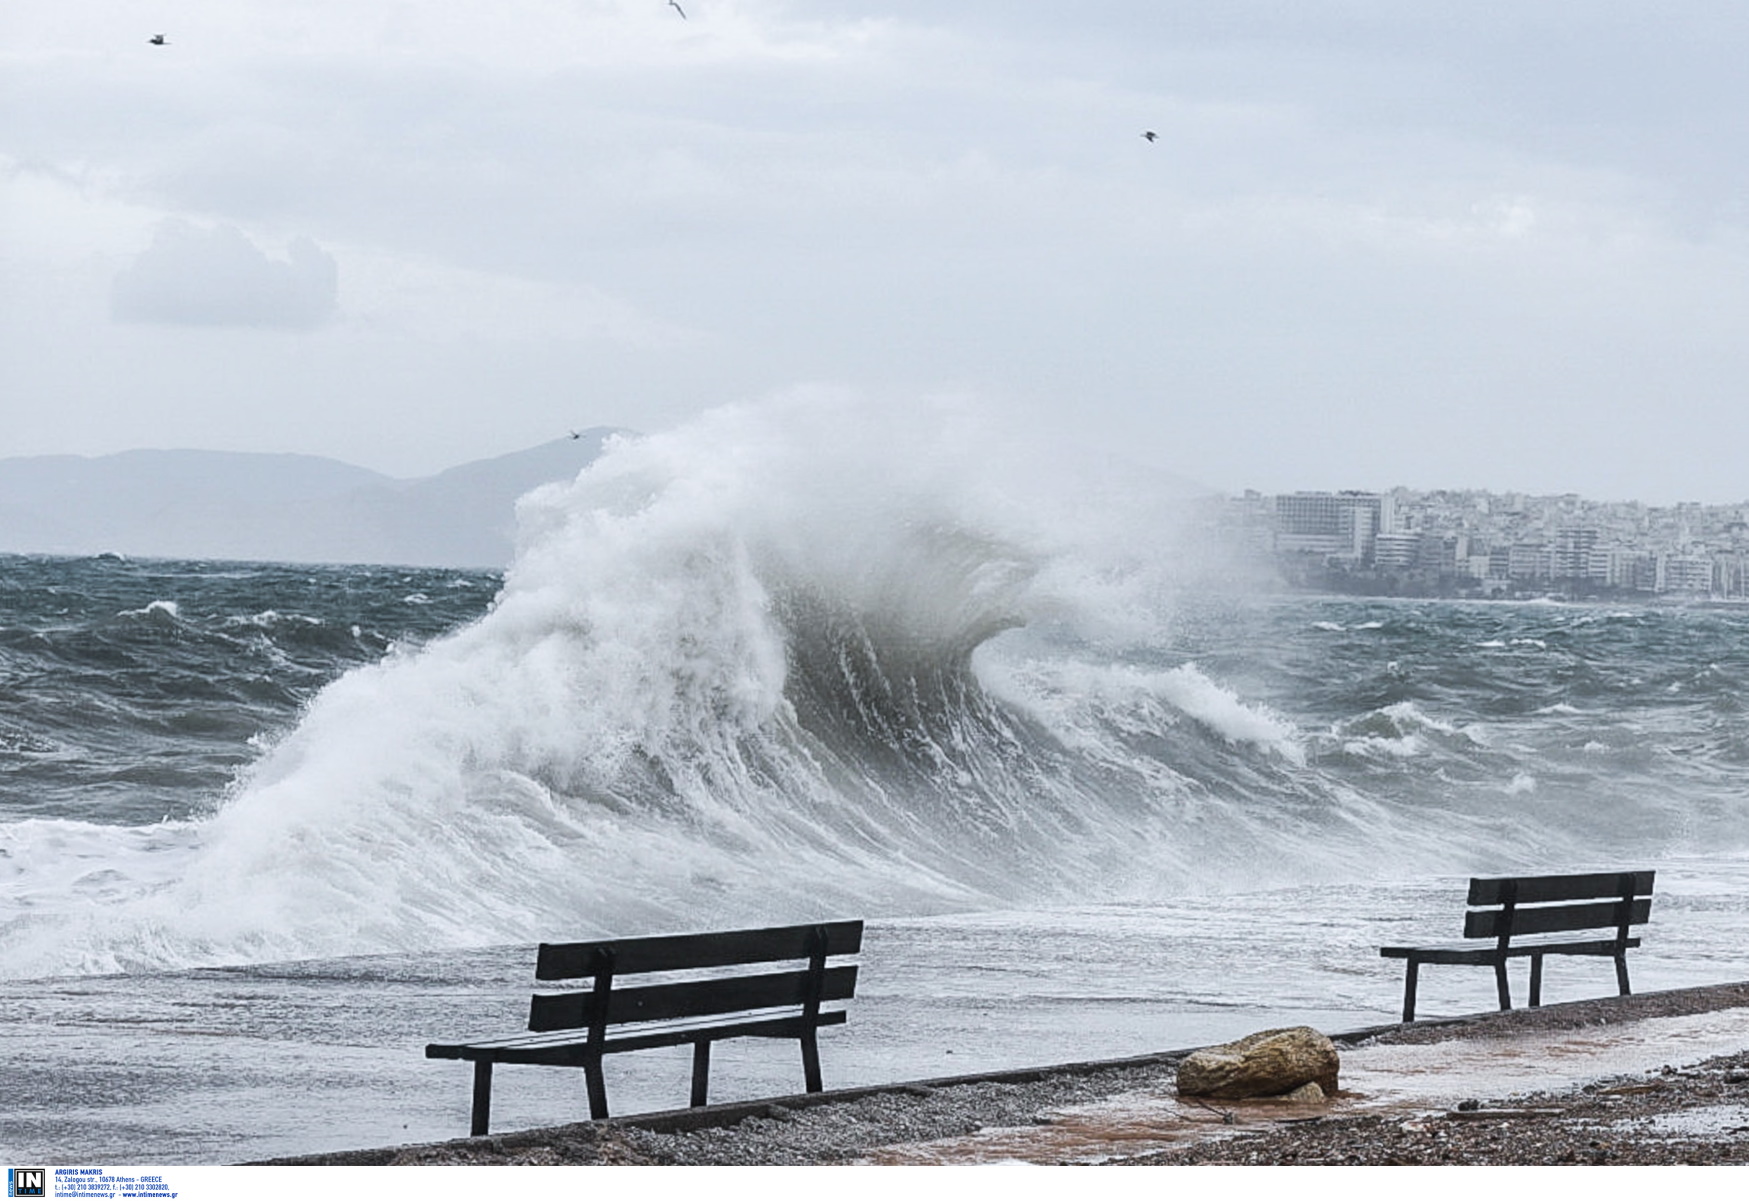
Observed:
{"x":1469,"y":244}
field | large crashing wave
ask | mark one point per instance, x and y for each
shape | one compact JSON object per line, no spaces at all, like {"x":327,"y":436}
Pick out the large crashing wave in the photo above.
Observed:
{"x":795,"y":659}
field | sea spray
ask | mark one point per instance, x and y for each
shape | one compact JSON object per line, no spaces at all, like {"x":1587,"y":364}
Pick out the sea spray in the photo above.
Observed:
{"x":730,"y":672}
{"x":820,"y":656}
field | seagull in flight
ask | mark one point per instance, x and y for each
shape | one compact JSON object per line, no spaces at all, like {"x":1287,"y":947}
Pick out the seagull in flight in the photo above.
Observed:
{"x":157,"y":39}
{"x":1150,"y":135}
{"x":675,"y":5}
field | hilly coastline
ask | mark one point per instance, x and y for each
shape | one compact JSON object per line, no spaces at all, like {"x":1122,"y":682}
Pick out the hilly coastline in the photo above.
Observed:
{"x":195,"y":504}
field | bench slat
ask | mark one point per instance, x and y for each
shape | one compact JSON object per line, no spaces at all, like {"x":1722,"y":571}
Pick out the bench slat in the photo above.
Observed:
{"x":1551,"y":919}
{"x":691,"y":998}
{"x":682,"y":952}
{"x":1533,"y":890}
{"x":568,"y":1048}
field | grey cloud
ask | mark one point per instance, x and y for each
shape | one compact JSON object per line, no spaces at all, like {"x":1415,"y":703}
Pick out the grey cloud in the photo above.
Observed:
{"x":194,"y":276}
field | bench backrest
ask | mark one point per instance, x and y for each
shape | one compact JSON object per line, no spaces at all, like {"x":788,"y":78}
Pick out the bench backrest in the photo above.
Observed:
{"x":1519,"y":905}
{"x":609,"y":1003}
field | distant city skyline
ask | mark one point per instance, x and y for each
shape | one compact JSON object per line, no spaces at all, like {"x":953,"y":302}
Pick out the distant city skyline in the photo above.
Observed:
{"x":1476,"y":542}
{"x":1491,"y":245}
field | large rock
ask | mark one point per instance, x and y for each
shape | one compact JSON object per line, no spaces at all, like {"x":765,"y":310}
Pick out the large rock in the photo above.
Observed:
{"x":1266,"y":1064}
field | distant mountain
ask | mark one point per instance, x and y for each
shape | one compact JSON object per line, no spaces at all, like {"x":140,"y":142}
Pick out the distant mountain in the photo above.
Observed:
{"x":199,"y":504}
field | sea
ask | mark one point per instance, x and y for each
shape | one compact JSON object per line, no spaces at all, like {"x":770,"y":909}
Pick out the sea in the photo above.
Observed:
{"x":266,"y":829}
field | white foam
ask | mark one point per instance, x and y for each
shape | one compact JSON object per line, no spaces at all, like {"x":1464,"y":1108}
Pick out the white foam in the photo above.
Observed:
{"x":1223,"y":712}
{"x":1084,"y":702}
{"x":805,"y":658}
{"x":615,"y":745}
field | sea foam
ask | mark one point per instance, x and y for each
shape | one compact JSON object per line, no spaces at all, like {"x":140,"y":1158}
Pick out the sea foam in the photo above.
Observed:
{"x":822,"y":656}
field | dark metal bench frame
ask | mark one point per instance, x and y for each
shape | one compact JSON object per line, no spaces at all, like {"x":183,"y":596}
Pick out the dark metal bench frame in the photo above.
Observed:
{"x":578,"y":1028}
{"x":1515,"y":906}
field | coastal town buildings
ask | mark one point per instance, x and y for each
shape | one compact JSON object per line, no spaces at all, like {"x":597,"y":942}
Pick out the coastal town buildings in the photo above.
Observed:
{"x":1474,"y":543}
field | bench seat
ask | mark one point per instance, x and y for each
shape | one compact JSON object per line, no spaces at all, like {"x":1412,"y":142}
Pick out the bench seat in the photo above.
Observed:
{"x":567,"y":1048}
{"x":1471,"y":953}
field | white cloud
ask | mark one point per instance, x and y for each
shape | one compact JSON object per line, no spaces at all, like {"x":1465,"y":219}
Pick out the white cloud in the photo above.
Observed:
{"x":217,"y":276}
{"x":417,"y":298}
{"x":1375,"y":243}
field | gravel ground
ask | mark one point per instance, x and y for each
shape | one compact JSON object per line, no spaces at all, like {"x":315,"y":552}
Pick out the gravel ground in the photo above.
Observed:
{"x":1693,"y":1115}
{"x":1697,"y":1115}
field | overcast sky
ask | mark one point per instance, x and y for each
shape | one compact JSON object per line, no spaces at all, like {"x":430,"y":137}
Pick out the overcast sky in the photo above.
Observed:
{"x":1471,"y":244}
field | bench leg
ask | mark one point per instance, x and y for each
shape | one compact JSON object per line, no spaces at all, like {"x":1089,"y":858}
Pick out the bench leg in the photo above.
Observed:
{"x":1536,"y":981}
{"x":1501,"y":985}
{"x":597,"y":1087}
{"x":1621,"y":974}
{"x":701,"y":1071}
{"x":482,"y":1098}
{"x":1410,"y":976}
{"x":811,"y":1061}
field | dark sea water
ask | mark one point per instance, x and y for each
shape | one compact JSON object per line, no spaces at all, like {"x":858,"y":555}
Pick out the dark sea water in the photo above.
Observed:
{"x":1093,"y":797}
{"x":134,"y":691}
{"x":165,"y":735}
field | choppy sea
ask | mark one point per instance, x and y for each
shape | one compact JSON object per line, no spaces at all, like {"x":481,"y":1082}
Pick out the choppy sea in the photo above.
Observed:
{"x":266,"y":829}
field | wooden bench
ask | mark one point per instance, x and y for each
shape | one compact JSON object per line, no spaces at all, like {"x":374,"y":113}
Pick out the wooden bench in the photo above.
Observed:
{"x":578,"y":1028}
{"x":1506,"y":909}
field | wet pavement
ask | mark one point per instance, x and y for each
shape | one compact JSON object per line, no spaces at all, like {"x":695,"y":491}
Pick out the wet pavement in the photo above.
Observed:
{"x":228,"y":1064}
{"x":1403,"y":1081}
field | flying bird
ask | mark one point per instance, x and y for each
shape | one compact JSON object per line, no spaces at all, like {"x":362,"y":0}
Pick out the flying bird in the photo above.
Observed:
{"x":675,"y":5}
{"x":1150,"y":135}
{"x":157,"y":39}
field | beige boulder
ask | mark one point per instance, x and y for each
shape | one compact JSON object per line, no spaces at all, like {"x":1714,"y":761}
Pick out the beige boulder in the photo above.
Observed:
{"x":1266,"y":1064}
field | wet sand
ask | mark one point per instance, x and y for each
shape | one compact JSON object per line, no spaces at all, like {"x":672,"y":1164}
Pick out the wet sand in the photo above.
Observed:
{"x":1660,"y":1078}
